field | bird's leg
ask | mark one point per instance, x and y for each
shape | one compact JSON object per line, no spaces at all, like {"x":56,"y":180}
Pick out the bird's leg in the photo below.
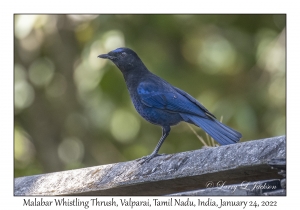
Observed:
{"x":165,"y":133}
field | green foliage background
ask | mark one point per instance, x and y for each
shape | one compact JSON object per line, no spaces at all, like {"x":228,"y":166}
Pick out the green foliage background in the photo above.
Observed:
{"x":73,"y":110}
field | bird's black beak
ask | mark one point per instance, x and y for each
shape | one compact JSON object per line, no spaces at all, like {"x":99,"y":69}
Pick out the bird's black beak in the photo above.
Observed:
{"x":106,"y":56}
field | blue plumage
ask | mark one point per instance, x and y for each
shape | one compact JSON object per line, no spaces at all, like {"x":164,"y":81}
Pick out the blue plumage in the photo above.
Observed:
{"x":162,"y":104}
{"x":175,"y":100}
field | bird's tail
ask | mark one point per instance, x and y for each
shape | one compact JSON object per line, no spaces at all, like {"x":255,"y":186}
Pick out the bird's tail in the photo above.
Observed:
{"x":218,"y":131}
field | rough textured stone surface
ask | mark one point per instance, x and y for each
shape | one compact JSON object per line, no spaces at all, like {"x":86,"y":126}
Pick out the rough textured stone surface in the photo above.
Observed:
{"x":247,"y":161}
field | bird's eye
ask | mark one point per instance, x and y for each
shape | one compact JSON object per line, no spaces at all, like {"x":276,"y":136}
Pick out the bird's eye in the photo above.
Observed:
{"x":123,"y":54}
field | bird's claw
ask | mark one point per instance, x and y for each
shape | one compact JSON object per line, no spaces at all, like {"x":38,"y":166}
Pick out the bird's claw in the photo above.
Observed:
{"x":147,"y":158}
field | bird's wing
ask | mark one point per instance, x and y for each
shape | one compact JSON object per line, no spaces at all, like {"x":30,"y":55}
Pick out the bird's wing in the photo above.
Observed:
{"x":194,"y":101}
{"x":170,"y":99}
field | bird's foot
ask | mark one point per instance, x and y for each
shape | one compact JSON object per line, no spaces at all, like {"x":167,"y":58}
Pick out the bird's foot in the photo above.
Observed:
{"x":147,"y":158}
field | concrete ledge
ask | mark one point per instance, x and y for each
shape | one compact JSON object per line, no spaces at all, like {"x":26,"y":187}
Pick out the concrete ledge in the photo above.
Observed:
{"x":186,"y":171}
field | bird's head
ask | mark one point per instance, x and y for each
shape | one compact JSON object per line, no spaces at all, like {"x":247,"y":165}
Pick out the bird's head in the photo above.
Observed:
{"x":124,"y":58}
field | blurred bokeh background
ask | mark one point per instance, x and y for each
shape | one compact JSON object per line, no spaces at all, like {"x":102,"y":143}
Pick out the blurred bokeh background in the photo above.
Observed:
{"x":72,"y":109}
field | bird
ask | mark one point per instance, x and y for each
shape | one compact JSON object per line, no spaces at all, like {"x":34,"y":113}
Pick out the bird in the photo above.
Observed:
{"x":160,"y":103}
